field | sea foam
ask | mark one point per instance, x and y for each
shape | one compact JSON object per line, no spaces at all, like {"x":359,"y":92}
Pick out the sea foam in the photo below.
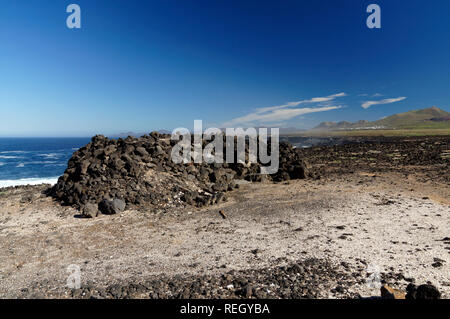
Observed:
{"x":28,"y":181}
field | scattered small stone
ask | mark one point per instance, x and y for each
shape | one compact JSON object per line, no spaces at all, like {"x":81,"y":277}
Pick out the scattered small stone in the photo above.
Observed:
{"x":438,"y":262}
{"x":248,"y":291}
{"x":222,"y":213}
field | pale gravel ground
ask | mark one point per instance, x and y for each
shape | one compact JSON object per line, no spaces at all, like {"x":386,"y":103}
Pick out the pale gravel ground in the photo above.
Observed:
{"x":39,"y":240}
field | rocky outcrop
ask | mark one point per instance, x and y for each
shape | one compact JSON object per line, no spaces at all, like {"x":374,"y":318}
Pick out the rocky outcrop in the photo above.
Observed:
{"x":139,"y":172}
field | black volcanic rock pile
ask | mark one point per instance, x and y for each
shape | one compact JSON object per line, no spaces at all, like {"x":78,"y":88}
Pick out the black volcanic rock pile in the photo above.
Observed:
{"x":140,"y":172}
{"x":427,"y":155}
{"x":309,"y":279}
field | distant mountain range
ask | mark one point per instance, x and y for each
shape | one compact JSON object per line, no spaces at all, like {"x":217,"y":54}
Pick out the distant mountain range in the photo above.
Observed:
{"x":283,"y":131}
{"x":432,"y":117}
{"x":135,"y":134}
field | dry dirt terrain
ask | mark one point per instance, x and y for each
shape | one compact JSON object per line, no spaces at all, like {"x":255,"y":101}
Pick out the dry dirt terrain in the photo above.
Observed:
{"x":325,"y":238}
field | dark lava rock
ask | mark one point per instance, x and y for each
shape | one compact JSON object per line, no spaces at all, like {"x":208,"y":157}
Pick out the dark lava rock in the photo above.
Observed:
{"x":315,"y":281}
{"x":375,"y":155}
{"x":90,"y":210}
{"x":109,"y":207}
{"x":426,"y":291}
{"x":248,"y":291}
{"x":141,"y":172}
{"x":438,"y":263}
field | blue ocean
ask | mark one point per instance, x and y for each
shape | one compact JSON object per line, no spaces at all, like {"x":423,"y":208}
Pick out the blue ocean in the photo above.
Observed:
{"x":30,"y":161}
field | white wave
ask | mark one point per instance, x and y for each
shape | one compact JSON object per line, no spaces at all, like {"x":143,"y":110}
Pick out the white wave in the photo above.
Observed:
{"x":20,"y":165}
{"x":41,"y":162}
{"x":14,"y":152}
{"x":50,"y":155}
{"x":28,"y":181}
{"x":1,"y":164}
{"x":9,"y":157}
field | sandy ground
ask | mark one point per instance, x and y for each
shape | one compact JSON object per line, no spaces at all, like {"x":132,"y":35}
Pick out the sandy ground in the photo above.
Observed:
{"x":385,"y":222}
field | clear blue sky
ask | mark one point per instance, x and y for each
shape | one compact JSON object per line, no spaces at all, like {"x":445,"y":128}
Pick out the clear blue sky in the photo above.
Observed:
{"x":144,"y":65}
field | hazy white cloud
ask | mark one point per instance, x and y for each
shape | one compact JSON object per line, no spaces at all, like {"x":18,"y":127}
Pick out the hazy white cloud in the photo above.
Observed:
{"x":278,"y":115}
{"x":371,"y":95}
{"x":368,"y":104}
{"x":284,"y":112}
{"x":297,"y":103}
